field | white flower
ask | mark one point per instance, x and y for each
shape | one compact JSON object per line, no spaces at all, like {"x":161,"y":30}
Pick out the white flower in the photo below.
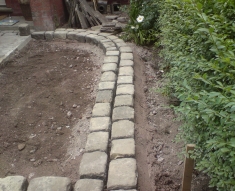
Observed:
{"x":132,"y":27}
{"x":140,"y":19}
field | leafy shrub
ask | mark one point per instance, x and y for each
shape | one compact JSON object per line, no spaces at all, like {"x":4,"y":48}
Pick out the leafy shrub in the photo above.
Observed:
{"x":198,"y":39}
{"x":142,"y":31}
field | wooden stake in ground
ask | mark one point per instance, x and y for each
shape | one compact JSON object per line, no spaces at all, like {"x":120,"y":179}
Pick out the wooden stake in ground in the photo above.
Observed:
{"x":188,"y":169}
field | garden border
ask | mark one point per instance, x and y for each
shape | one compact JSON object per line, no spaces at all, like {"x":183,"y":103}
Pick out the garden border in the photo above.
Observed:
{"x":109,"y":157}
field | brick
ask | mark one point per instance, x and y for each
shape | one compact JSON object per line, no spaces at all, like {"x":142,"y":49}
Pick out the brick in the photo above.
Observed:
{"x":101,"y":110}
{"x":122,"y":148}
{"x":127,"y":56}
{"x":50,"y":183}
{"x":125,"y":80}
{"x":126,"y":71}
{"x":113,"y":53}
{"x":24,"y":29}
{"x":13,"y":183}
{"x":105,"y":96}
{"x":109,"y":67}
{"x":126,"y":49}
{"x":93,"y":165}
{"x":71,"y":35}
{"x":125,"y":90}
{"x":123,"y":113}
{"x":108,"y":77}
{"x":111,"y":59}
{"x":122,"y":174}
{"x":106,"y":85}
{"x":100,"y":124}
{"x":49,"y":35}
{"x":124,"y":63}
{"x":38,"y":35}
{"x":89,"y":185}
{"x":60,"y":34}
{"x":122,"y":129}
{"x":97,"y":141}
{"x":124,"y":100}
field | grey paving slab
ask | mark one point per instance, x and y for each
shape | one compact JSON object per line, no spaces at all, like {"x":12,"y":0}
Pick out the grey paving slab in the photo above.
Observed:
{"x":122,"y":148}
{"x":125,"y":80}
{"x":112,"y":48}
{"x":125,"y":49}
{"x":122,"y":174}
{"x":100,"y":124}
{"x":109,"y":67}
{"x":124,"y":100}
{"x":113,"y":53}
{"x":126,"y":71}
{"x":104,"y":96}
{"x":122,"y":129}
{"x":121,"y":44}
{"x":111,"y":59}
{"x":13,"y":183}
{"x":108,"y":77}
{"x":89,"y":185}
{"x":127,"y":56}
{"x":123,"y":113}
{"x":118,"y":41}
{"x":93,"y":165}
{"x":101,"y":110}
{"x":125,"y":90}
{"x":49,"y":35}
{"x":97,"y":141}
{"x":50,"y":183}
{"x":106,"y":86}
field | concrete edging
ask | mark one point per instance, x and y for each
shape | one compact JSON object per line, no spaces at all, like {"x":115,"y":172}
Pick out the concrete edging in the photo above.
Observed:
{"x":112,"y":121}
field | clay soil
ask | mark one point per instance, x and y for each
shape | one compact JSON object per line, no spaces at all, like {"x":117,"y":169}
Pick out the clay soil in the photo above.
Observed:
{"x":47,"y":95}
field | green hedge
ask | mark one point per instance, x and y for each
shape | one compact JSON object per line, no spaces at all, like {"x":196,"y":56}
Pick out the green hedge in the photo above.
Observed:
{"x":198,"y":40}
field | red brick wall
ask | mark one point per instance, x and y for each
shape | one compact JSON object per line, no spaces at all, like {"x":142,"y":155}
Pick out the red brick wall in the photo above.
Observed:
{"x":47,"y":14}
{"x":15,"y":7}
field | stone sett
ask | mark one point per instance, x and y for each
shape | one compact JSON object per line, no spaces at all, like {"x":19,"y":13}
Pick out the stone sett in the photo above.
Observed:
{"x":60,"y":29}
{"x":113,"y":53}
{"x":105,"y":96}
{"x":122,"y":148}
{"x":104,"y":34}
{"x":111,"y":59}
{"x":125,"y":90}
{"x":72,"y":35}
{"x":106,"y":46}
{"x":124,"y":63}
{"x":93,"y":165}
{"x":80,"y":37}
{"x":126,"y":49}
{"x":24,"y":29}
{"x":70,"y":30}
{"x":91,"y":38}
{"x":49,"y":35}
{"x":60,"y":34}
{"x":100,"y":124}
{"x":118,"y":41}
{"x":125,"y":80}
{"x":122,"y":129}
{"x":93,"y":32}
{"x":13,"y":183}
{"x":123,"y":113}
{"x":101,"y":110}
{"x":112,"y":48}
{"x":97,"y":141}
{"x":106,"y":86}
{"x":127,"y":56}
{"x":124,"y":100}
{"x":79,"y":30}
{"x":126,"y":71}
{"x":108,"y":77}
{"x":109,"y":67}
{"x":89,"y":185}
{"x":50,"y":183}
{"x":121,"y":44}
{"x":38,"y":35}
{"x":122,"y":174}
{"x":124,"y":190}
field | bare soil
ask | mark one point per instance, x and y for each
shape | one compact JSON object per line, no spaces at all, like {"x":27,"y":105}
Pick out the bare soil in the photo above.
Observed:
{"x":47,"y":95}
{"x":160,"y":161}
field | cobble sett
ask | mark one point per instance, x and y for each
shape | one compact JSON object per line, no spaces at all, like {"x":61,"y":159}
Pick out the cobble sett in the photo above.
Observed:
{"x":122,"y":174}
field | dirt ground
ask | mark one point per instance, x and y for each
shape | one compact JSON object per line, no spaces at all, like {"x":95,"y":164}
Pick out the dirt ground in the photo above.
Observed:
{"x":47,"y":95}
{"x":159,"y":156}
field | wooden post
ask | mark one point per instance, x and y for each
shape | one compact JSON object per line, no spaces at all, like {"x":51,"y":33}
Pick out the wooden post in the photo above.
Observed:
{"x":188,"y":169}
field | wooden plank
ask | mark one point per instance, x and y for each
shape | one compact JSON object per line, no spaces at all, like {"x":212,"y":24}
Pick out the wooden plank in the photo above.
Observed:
{"x":81,"y":18}
{"x":188,"y":169}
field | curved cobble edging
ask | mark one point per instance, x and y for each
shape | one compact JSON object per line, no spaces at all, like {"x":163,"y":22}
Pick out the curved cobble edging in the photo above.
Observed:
{"x":109,"y":158}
